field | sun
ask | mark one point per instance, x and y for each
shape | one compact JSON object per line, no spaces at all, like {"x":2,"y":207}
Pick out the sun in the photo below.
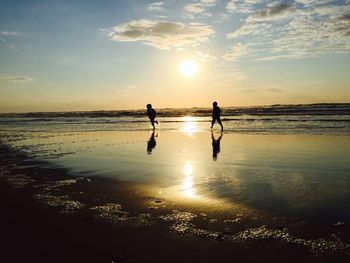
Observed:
{"x":188,"y":67}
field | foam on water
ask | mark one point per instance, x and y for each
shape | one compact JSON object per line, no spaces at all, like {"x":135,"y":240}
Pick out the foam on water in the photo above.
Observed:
{"x":181,"y":224}
{"x":63,"y":202}
{"x":113,"y":213}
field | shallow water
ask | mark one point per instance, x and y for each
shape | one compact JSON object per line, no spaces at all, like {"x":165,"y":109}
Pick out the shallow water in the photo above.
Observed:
{"x":291,"y":174}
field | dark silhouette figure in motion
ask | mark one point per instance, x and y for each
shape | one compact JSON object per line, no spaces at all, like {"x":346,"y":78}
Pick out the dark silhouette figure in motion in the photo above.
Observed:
{"x":151,"y":143}
{"x":216,"y":115}
{"x":216,"y":145}
{"x":151,"y":114}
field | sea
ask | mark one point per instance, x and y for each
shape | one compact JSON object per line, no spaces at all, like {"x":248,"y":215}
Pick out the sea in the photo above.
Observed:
{"x":283,"y":168}
{"x":291,"y":119}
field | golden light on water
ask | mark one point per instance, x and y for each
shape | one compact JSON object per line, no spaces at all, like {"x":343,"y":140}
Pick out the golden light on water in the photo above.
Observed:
{"x":188,"y":169}
{"x":189,"y":125}
{"x":187,"y":187}
{"x":188,"y":67}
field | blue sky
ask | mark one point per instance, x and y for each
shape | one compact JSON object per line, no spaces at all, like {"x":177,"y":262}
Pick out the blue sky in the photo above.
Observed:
{"x":123,"y":54}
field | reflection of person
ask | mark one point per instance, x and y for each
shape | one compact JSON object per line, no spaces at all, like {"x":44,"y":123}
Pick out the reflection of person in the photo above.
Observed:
{"x":216,"y":145}
{"x":151,"y":114}
{"x":216,"y":115}
{"x":151,"y":144}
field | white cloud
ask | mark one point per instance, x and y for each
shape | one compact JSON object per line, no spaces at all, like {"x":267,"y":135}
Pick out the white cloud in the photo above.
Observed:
{"x":4,"y":34}
{"x":306,"y":2}
{"x":242,"y":6}
{"x":9,"y":33}
{"x":16,"y":79}
{"x":205,"y":55}
{"x":162,"y":35}
{"x":231,"y":6}
{"x":157,"y":6}
{"x":235,"y":52}
{"x":238,"y":76}
{"x":314,"y":2}
{"x":292,"y":31}
{"x":278,"y":11}
{"x":208,"y":2}
{"x":199,"y":8}
{"x":248,"y":28}
{"x":196,"y":8}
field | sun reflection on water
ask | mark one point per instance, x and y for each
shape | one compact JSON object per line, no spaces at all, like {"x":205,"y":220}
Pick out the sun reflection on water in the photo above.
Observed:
{"x":189,"y":126}
{"x":187,"y":186}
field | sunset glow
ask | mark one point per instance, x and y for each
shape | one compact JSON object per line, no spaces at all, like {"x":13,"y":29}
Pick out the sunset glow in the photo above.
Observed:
{"x":172,"y":53}
{"x":188,"y":68}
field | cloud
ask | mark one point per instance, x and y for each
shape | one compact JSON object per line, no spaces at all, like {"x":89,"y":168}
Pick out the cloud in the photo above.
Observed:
{"x":285,"y":31}
{"x":205,"y":55}
{"x":242,"y":6}
{"x":231,"y":6}
{"x":208,"y":2}
{"x":196,"y":8}
{"x":199,"y":8}
{"x":275,"y":11}
{"x":238,"y":76}
{"x":16,"y":79}
{"x":248,"y":28}
{"x":263,"y":90}
{"x":315,"y":2}
{"x":3,"y":38}
{"x":9,"y":33}
{"x":162,"y":35}
{"x":344,"y":17}
{"x":235,"y":52}
{"x":157,"y":6}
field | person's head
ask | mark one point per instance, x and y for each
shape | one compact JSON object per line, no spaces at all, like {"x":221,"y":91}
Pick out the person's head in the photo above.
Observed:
{"x":149,"y":106}
{"x":215,"y":104}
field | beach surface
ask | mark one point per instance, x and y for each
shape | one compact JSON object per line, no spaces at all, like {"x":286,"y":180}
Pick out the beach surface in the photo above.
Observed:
{"x":182,"y":194}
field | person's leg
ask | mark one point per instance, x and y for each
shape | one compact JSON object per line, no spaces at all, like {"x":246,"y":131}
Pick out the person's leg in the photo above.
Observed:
{"x":152,"y":122}
{"x":219,"y":121}
{"x":212,"y":123}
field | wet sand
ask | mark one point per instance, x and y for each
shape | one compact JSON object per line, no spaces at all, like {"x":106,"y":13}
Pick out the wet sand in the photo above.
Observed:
{"x":51,"y":216}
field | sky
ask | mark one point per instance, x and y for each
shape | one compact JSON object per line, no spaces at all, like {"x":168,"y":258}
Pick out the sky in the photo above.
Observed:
{"x":73,"y":55}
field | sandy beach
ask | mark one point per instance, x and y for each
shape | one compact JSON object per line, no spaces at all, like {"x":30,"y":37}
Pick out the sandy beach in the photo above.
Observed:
{"x":174,"y":196}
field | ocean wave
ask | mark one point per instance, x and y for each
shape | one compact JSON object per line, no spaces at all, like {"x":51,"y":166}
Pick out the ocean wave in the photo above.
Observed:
{"x":87,"y":121}
{"x":271,"y":110}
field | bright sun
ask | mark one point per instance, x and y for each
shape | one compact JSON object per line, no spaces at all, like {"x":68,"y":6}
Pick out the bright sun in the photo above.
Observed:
{"x":188,"y":67}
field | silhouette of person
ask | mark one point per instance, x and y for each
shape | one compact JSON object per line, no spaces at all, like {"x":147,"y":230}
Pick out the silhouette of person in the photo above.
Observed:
{"x":151,"y":143}
{"x":216,"y":115}
{"x":216,"y":145}
{"x":151,"y":114}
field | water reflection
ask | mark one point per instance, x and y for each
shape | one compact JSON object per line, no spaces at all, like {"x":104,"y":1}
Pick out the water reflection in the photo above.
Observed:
{"x":288,"y":174}
{"x":189,"y":126}
{"x":151,"y":143}
{"x":187,"y":186}
{"x":216,"y":145}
